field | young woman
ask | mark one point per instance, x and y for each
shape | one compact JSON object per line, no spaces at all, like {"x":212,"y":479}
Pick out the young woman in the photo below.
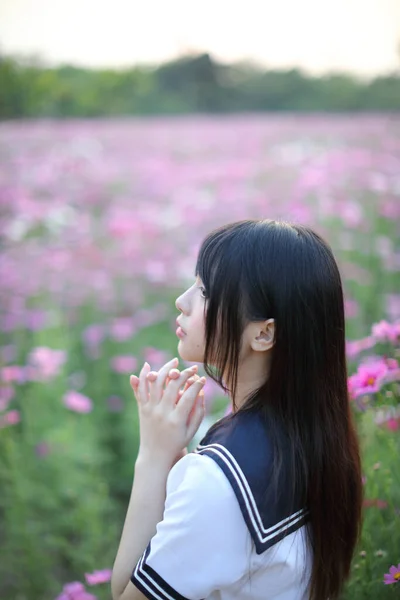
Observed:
{"x":268,"y":505}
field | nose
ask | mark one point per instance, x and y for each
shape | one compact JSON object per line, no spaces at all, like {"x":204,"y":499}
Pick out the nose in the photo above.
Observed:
{"x":179,"y":304}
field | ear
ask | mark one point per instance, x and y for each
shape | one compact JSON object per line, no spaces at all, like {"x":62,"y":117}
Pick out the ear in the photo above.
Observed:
{"x":263,"y":337}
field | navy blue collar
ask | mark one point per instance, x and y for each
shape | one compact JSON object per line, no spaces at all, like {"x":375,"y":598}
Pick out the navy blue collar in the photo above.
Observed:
{"x":241,"y":447}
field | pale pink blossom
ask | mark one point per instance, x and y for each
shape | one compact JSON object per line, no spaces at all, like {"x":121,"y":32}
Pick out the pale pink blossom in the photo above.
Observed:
{"x":124,"y":363}
{"x":77,"y":402}
{"x":122,"y":329}
{"x":13,"y":374}
{"x":156,"y":358}
{"x":12,"y":417}
{"x":46,"y":362}
{"x":355,"y":347}
{"x":386,"y":332}
{"x":98,"y":577}
{"x":7,"y":393}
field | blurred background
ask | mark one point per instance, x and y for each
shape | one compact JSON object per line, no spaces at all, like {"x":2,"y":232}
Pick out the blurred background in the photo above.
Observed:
{"x":127,"y":133}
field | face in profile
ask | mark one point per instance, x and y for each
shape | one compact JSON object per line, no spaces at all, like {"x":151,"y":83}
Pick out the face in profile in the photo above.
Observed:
{"x":192,"y":323}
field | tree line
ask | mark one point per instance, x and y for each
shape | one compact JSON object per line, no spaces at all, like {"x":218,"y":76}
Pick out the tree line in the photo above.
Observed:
{"x":190,"y":84}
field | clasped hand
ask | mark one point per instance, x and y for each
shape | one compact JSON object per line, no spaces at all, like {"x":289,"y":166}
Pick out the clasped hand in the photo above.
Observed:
{"x":169,"y":417}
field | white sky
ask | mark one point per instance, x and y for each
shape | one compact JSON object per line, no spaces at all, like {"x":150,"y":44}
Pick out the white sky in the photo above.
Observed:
{"x":361,"y":36}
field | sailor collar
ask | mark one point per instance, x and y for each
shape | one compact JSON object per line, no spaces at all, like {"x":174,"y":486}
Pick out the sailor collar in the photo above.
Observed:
{"x":240,"y":445}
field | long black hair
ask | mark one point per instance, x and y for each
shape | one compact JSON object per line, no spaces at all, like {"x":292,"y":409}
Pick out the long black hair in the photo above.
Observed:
{"x":254,"y":270}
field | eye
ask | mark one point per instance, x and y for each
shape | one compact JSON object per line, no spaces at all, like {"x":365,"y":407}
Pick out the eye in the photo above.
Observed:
{"x":203,"y":292}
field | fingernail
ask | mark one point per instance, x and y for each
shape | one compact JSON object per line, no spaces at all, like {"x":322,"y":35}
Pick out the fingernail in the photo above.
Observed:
{"x":202,"y":380}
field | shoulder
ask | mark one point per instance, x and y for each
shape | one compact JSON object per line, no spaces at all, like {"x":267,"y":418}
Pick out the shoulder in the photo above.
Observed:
{"x":199,"y":476}
{"x":241,"y":448}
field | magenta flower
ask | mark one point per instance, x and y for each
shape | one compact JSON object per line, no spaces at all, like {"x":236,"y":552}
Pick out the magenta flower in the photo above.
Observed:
{"x":368,"y":379}
{"x":77,"y":402}
{"x":393,"y":576}
{"x":393,"y":424}
{"x":98,"y":577}
{"x":388,"y":417}
{"x":124,"y":363}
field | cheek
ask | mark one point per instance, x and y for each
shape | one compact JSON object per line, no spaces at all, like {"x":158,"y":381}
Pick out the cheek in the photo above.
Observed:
{"x":198,"y":323}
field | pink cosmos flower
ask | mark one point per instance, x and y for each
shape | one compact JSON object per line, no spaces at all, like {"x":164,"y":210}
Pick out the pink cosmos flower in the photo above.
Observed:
{"x":7,"y":392}
{"x":392,"y":424}
{"x":381,"y":504}
{"x":98,"y":577}
{"x":386,"y":332}
{"x":77,"y":402}
{"x":354,"y":347}
{"x":46,"y":362}
{"x":13,"y":373}
{"x":36,"y":319}
{"x":12,"y":417}
{"x":93,"y":334}
{"x":42,"y":449}
{"x":75,"y":591}
{"x":368,"y":379}
{"x":92,"y":337}
{"x":393,"y":576}
{"x":115,"y":403}
{"x":156,"y":358}
{"x":124,"y":363}
{"x":122,"y":329}
{"x":74,"y":588}
{"x":351,"y":307}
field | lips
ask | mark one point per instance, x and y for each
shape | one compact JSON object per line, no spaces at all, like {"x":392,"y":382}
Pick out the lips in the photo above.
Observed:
{"x":179,"y":325}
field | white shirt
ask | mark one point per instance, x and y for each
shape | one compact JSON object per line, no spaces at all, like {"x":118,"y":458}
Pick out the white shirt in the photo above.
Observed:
{"x":216,"y":541}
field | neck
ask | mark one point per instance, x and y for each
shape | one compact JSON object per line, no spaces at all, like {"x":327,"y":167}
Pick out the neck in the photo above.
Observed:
{"x":252,"y":374}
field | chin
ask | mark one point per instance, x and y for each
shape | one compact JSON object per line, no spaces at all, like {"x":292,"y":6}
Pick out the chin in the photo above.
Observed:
{"x":189,"y":354}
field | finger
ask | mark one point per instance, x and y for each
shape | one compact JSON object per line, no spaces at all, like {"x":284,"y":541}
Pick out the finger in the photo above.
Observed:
{"x":189,"y":382}
{"x":159,"y":383}
{"x":171,"y":393}
{"x":173,"y":374}
{"x":134,"y":381}
{"x":143,"y":388}
{"x":196,"y":416}
{"x":188,"y":399}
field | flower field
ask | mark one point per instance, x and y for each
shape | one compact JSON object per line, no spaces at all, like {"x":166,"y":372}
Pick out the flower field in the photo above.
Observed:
{"x":101,"y":221}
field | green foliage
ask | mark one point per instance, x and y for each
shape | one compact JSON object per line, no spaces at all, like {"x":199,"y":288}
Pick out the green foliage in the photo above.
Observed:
{"x":186,"y":85}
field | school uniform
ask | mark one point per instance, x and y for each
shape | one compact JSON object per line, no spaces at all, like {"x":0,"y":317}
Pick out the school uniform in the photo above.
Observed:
{"x":225,"y":533}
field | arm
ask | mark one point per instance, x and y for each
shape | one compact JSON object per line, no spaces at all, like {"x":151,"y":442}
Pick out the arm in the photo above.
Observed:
{"x":145,"y":510}
{"x":166,"y":427}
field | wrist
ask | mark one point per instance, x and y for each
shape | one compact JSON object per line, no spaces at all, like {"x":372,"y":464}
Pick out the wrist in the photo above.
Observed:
{"x":150,"y":460}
